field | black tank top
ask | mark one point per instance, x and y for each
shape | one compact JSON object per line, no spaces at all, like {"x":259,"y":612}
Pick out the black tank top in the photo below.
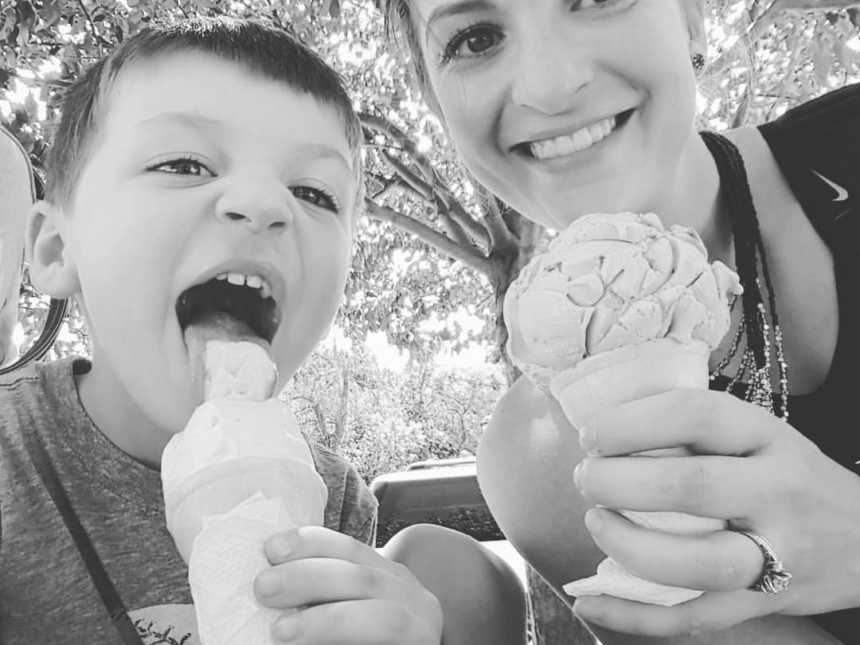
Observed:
{"x":817,"y":148}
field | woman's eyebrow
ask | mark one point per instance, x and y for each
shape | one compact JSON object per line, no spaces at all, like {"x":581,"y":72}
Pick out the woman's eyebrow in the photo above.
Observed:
{"x":453,"y":9}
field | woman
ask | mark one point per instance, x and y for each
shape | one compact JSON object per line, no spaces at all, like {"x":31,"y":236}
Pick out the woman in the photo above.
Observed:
{"x":562,"y":108}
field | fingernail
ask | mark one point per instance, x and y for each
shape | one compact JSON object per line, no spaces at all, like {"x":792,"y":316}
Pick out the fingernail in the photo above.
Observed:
{"x":593,"y":520}
{"x":587,"y":608}
{"x":268,"y":583}
{"x":588,"y":441}
{"x":280,"y":547}
{"x":577,"y":474}
{"x":286,"y":629}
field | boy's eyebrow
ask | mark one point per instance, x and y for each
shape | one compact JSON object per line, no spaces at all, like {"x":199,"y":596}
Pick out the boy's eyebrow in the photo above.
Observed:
{"x":322,"y":151}
{"x":453,"y":9}
{"x":192,"y":119}
{"x":200,"y":122}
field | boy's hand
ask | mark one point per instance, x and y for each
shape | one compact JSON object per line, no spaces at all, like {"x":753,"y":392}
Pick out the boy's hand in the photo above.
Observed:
{"x":344,"y":592}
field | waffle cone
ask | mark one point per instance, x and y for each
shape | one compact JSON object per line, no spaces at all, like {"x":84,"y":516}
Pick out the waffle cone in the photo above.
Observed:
{"x":222,"y":486}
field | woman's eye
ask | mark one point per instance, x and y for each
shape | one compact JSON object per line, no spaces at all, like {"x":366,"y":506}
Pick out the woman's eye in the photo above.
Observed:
{"x":591,"y":4}
{"x":317,"y":197}
{"x":183,"y":166}
{"x":471,"y":42}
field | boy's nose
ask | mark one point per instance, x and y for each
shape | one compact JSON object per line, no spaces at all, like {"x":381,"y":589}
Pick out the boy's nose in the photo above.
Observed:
{"x":259,"y":207}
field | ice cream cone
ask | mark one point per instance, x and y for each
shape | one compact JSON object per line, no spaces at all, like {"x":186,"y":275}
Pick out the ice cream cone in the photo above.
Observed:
{"x":629,"y":373}
{"x":223,"y":486}
{"x":618,"y":376}
{"x":237,"y":474}
{"x":226,"y":558}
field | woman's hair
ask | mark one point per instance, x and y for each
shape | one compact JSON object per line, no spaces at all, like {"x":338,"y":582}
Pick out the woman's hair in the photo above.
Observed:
{"x":400,"y":28}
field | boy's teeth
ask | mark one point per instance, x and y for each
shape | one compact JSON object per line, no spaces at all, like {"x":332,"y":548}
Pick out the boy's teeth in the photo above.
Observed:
{"x":253,"y":281}
{"x":571,"y":143}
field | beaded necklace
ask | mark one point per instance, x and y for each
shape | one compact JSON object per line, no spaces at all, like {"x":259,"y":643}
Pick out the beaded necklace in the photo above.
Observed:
{"x":758,"y":335}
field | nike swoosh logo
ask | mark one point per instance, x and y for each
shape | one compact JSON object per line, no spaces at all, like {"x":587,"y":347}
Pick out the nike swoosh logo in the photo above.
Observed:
{"x":841,"y":193}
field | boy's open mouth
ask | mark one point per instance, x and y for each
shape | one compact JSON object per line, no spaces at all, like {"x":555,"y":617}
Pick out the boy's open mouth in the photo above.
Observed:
{"x":247,"y":302}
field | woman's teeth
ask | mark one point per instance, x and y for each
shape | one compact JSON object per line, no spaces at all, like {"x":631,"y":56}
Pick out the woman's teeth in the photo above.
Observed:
{"x":253,"y":281}
{"x":571,"y":143}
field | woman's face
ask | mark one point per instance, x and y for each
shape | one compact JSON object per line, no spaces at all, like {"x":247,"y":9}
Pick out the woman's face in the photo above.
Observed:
{"x":564,"y":107}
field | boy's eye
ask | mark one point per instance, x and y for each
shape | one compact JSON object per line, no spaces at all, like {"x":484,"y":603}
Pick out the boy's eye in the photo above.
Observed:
{"x":317,"y":197}
{"x":183,"y":166}
{"x":471,"y":42}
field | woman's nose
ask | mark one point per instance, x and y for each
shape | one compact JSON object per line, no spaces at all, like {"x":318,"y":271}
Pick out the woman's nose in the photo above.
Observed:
{"x":260,"y":205}
{"x":549,"y":72}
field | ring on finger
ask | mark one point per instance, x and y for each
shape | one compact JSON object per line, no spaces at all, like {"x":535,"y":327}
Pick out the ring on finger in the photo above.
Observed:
{"x":774,"y":577}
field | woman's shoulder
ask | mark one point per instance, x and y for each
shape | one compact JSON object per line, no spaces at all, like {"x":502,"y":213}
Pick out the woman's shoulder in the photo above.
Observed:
{"x":828,"y":112}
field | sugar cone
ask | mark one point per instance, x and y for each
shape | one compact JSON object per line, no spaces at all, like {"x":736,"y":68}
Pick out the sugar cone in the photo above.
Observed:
{"x":629,"y":373}
{"x":222,"y":486}
{"x":619,"y":376}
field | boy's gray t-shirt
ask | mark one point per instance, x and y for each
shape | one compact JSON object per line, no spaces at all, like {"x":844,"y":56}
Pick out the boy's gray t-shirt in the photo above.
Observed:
{"x":46,"y":594}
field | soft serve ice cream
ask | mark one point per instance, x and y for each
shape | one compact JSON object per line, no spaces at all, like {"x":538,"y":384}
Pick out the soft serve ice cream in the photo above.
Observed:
{"x":620,"y":307}
{"x":239,"y":472}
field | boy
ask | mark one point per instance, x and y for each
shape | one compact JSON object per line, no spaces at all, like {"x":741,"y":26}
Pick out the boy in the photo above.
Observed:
{"x":213,"y":148}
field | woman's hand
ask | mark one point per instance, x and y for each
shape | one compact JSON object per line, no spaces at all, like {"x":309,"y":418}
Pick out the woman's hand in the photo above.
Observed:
{"x":345,"y":592}
{"x":747,"y":467}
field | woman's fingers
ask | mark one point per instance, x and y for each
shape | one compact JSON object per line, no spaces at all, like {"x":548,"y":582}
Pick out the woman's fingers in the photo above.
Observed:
{"x":716,"y":561}
{"x":363,"y":622}
{"x":714,"y":610}
{"x":718,"y":487}
{"x":704,"y":421}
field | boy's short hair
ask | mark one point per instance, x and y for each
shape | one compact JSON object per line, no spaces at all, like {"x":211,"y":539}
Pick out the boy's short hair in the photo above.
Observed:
{"x":263,"y":49}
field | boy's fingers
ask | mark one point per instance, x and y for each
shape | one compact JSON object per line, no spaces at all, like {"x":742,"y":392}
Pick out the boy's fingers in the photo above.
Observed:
{"x":312,"y":581}
{"x":320,"y":542}
{"x":358,"y":622}
{"x":706,"y":422}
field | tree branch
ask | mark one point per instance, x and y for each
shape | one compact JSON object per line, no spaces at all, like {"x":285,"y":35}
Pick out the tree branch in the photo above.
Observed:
{"x":92,"y":25}
{"x":383,"y":125}
{"x":434,"y":238}
{"x":453,"y":227}
{"x":416,"y":183}
{"x":501,"y":237}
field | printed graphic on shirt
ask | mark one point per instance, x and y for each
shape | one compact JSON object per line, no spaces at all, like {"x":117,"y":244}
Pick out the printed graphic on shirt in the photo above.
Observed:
{"x":166,"y":625}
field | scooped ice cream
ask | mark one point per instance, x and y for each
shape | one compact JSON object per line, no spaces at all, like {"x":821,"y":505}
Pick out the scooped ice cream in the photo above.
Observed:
{"x":609,"y":281}
{"x":619,"y":308}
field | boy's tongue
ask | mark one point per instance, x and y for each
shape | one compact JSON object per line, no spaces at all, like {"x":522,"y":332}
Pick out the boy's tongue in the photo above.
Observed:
{"x":216,"y":330}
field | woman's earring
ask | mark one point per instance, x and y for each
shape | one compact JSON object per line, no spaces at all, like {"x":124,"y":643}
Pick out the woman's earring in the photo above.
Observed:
{"x":698,"y":61}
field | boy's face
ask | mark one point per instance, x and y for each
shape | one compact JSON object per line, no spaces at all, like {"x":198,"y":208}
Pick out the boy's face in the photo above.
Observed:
{"x":200,"y":168}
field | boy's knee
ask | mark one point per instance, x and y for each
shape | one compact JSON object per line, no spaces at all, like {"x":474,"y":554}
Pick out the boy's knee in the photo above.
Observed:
{"x":441,"y":548}
{"x":482,"y":598}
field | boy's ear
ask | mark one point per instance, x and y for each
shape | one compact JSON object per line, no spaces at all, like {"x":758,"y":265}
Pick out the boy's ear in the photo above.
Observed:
{"x":52,"y":268}
{"x":694,"y":12}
